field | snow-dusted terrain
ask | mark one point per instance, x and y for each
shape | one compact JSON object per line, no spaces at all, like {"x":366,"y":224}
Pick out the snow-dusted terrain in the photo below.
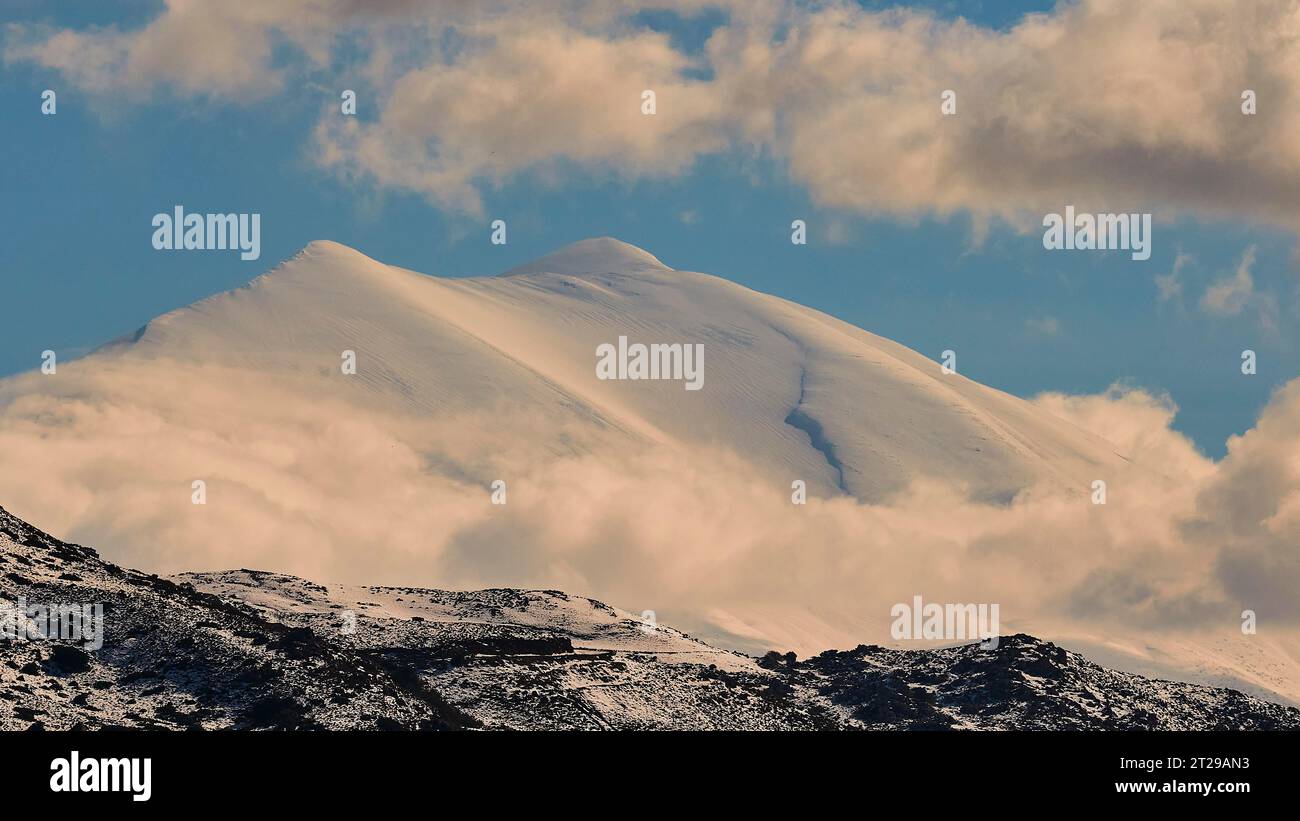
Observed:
{"x":640,"y":493}
{"x":252,"y":650}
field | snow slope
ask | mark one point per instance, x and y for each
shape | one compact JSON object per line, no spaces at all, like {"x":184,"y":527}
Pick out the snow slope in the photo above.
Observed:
{"x":798,"y":393}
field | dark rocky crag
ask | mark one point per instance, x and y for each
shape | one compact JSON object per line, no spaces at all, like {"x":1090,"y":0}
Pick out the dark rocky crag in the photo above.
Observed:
{"x":251,"y":650}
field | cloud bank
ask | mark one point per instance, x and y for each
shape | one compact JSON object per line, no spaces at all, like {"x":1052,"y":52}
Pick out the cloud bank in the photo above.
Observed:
{"x":303,"y":482}
{"x":1102,"y":104}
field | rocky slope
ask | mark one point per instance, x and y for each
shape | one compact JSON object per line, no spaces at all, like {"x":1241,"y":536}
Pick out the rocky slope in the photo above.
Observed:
{"x":251,"y":650}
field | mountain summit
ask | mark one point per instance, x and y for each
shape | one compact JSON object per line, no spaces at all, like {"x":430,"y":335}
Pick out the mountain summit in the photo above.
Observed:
{"x":800,"y":394}
{"x":601,"y":255}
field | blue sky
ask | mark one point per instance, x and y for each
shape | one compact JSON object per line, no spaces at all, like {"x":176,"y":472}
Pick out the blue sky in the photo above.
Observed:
{"x":79,"y":190}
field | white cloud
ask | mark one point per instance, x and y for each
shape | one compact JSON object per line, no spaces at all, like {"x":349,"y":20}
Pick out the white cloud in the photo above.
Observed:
{"x":1229,"y":296}
{"x":300,"y":481}
{"x":528,"y":98}
{"x":1169,"y":287}
{"x":1233,"y":294}
{"x":1105,"y":105}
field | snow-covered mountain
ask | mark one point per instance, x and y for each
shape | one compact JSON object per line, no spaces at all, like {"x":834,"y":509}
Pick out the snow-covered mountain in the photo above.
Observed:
{"x":252,"y":650}
{"x":642,"y":493}
{"x":801,"y":395}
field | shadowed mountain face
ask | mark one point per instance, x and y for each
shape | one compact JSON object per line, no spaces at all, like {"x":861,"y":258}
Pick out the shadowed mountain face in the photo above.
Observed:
{"x":253,"y":650}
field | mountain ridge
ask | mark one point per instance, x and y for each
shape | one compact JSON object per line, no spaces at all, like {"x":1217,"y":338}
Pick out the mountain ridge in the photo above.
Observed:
{"x":1007,"y":446}
{"x":263,"y":651}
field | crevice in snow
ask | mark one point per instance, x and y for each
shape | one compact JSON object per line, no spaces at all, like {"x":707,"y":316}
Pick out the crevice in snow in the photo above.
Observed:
{"x":800,"y":419}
